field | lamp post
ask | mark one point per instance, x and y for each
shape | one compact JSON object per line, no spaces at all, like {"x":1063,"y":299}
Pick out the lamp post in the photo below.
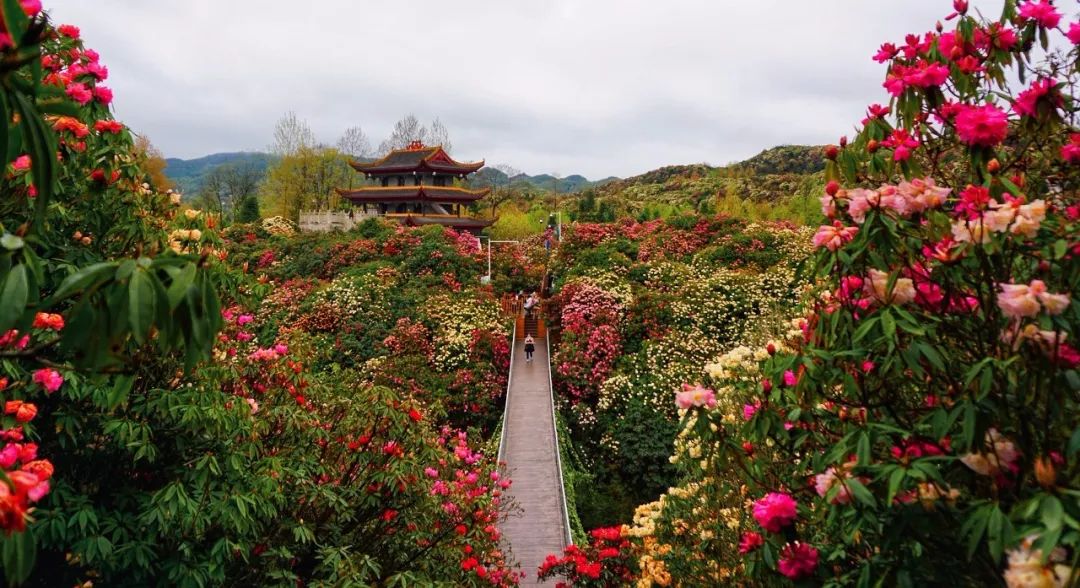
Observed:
{"x":487,"y":279}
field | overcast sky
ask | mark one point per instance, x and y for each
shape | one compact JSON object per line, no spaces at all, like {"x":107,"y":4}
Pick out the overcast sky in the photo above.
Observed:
{"x":596,"y":87}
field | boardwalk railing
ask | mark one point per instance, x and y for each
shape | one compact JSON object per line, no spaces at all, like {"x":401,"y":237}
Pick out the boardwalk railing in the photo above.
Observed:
{"x":558,"y":451}
{"x":506,"y":399}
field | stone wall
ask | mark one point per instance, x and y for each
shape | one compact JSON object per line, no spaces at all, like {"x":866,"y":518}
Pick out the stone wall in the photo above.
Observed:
{"x":325,"y":221}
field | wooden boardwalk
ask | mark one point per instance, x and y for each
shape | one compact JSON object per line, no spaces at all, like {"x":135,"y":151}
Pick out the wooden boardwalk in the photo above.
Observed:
{"x":531,"y":455}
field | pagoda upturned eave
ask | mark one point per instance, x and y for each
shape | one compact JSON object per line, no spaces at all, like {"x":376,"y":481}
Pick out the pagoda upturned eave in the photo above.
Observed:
{"x":439,"y":194}
{"x":421,"y":160}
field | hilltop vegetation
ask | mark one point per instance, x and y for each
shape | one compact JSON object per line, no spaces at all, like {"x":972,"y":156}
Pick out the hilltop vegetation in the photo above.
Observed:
{"x":190,"y":174}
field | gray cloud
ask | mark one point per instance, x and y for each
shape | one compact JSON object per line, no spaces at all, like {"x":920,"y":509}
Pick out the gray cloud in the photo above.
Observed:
{"x":598,"y":87}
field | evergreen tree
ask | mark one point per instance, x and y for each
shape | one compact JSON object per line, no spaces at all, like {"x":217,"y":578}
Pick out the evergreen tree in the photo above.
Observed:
{"x":248,"y":211}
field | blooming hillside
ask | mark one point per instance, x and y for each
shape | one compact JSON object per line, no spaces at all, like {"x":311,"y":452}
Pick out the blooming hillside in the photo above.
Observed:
{"x":641,"y":306}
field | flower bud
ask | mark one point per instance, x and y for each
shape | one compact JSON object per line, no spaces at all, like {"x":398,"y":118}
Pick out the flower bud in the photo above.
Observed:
{"x":993,"y":166}
{"x":832,"y":188}
{"x":77,"y":236}
{"x":86,"y":240}
{"x":831,"y":151}
{"x":843,"y":141}
{"x":1045,"y":472}
{"x":960,"y":6}
{"x":872,"y":145}
{"x":771,"y":349}
{"x":1044,"y":266}
{"x":766,"y":385}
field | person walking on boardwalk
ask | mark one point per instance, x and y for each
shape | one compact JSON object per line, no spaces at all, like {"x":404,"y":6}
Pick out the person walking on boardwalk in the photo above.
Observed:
{"x":530,"y":303}
{"x":530,"y":346}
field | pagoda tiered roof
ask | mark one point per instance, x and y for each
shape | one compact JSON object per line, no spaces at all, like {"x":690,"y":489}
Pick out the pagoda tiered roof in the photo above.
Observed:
{"x":439,"y":194}
{"x":417,"y":158}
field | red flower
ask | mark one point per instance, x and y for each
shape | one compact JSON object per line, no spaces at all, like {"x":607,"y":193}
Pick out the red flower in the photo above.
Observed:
{"x":1027,"y":102}
{"x":797,"y":560}
{"x":415,"y":415}
{"x":67,"y":30}
{"x":1070,"y":152}
{"x":24,"y":411}
{"x":750,"y":541}
{"x":103,"y":94}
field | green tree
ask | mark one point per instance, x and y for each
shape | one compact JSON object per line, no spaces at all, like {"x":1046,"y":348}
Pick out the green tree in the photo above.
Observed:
{"x":305,"y":180}
{"x":248,"y":211}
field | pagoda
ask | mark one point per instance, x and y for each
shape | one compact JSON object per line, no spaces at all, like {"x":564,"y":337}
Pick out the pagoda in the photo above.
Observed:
{"x":415,"y":186}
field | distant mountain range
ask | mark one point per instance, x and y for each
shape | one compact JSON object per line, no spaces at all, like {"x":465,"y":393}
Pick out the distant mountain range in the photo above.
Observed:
{"x":189,"y":173}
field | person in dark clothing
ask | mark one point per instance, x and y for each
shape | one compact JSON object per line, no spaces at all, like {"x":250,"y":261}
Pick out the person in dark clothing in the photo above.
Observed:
{"x":530,"y":346}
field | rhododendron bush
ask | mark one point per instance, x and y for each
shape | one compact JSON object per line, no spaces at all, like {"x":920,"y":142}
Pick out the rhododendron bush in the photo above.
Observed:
{"x":641,"y":306}
{"x":918,"y":427}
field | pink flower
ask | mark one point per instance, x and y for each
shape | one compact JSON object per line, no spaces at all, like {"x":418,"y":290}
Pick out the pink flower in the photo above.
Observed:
{"x":921,"y":194}
{"x":281,"y":349}
{"x":775,"y":511}
{"x":797,"y":560}
{"x":886,"y":52}
{"x":902,"y":143}
{"x":244,"y":319}
{"x":824,"y":482}
{"x":1020,"y":300}
{"x":984,"y":125}
{"x":790,"y":379}
{"x":695,"y":396}
{"x":750,"y":541}
{"x":103,"y":94}
{"x":49,"y":379}
{"x":31,"y":7}
{"x":80,"y":93}
{"x":21,"y":163}
{"x":1027,"y":102}
{"x":748,"y":411}
{"x":253,"y":405}
{"x":1074,"y":33}
{"x":9,"y":455}
{"x":833,"y":237}
{"x":1042,"y":12}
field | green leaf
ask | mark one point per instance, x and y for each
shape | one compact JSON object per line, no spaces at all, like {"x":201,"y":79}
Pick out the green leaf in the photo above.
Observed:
{"x":181,"y":280}
{"x":1060,"y":248}
{"x":15,"y":20}
{"x":863,"y":449}
{"x":860,"y":492}
{"x":82,"y":279}
{"x":41,"y":143}
{"x":895,"y":479}
{"x":13,"y":297}
{"x":18,"y":552}
{"x":141,"y":305}
{"x":1052,"y":512}
{"x":1074,"y":442}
